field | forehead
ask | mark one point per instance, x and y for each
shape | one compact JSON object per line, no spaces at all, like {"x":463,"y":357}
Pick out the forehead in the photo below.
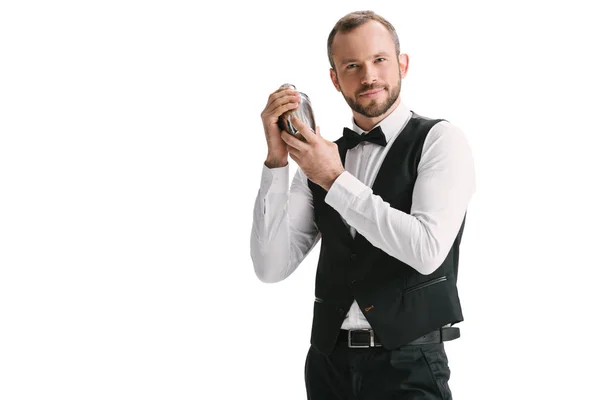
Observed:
{"x":363,"y":42}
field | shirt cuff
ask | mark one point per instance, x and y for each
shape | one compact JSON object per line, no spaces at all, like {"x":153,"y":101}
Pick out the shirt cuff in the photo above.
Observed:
{"x":275,"y":180}
{"x":344,"y":191}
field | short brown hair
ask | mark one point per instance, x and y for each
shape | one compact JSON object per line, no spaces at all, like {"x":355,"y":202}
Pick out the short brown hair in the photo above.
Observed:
{"x":353,"y":20}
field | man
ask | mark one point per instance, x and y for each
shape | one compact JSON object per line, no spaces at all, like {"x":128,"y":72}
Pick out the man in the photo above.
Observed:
{"x":390,"y":210}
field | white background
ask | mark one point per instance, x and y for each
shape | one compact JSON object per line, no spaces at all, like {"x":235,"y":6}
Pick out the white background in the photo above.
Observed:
{"x":130,"y":156}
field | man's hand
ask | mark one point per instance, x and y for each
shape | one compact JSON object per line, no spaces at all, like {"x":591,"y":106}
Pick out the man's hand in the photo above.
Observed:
{"x":318,"y":158}
{"x":279,"y":102}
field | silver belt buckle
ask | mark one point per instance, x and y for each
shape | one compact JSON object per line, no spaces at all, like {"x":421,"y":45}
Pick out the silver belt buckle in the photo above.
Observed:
{"x":362,"y":346}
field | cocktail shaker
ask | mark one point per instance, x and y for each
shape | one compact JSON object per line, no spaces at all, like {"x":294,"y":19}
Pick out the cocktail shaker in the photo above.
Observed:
{"x":303,"y":112}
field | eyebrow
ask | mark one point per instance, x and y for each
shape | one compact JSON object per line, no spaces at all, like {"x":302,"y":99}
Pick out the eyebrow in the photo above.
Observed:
{"x":352,"y":60}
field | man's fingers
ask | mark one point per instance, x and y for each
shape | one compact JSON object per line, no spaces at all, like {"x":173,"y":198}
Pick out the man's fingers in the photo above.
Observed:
{"x":284,"y":96}
{"x":304,"y":129}
{"x":294,"y":154}
{"x":291,"y":141}
{"x":279,"y":106}
{"x":281,"y":92}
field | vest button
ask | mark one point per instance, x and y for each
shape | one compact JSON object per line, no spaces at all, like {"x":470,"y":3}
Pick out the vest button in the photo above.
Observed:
{"x":353,"y":282}
{"x":341,"y":311}
{"x":353,"y":256}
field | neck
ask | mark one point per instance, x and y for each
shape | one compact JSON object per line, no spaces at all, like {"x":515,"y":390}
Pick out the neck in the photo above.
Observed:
{"x":367,"y":123}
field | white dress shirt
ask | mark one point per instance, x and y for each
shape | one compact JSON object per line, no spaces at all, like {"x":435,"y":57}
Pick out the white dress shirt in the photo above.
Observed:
{"x":284,"y":231}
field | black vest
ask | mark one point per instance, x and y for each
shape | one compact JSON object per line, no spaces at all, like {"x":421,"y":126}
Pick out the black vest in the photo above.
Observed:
{"x":399,"y":303}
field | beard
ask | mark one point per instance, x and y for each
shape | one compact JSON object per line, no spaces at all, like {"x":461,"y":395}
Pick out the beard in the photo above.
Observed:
{"x":373,"y":109}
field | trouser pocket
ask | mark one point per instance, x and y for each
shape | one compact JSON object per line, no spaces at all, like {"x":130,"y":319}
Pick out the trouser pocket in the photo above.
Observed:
{"x":422,"y":369}
{"x":437,"y":362}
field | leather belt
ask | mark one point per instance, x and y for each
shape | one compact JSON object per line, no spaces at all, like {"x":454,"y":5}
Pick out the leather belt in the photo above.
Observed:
{"x":365,"y":338}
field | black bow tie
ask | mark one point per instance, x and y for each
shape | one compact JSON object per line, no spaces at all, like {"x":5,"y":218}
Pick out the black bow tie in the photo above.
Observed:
{"x":375,"y":136}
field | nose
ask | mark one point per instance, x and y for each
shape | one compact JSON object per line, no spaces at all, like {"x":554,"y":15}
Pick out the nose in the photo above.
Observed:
{"x":368,"y":77}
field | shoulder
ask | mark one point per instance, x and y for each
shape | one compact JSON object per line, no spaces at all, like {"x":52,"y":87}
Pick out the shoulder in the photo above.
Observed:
{"x":446,"y":134}
{"x":445,"y":144}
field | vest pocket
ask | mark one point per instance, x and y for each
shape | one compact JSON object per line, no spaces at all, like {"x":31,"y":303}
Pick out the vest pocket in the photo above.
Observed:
{"x":318,"y":300}
{"x":425,"y":284}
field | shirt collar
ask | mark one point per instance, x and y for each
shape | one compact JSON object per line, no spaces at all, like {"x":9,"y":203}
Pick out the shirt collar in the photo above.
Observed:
{"x":390,"y":125}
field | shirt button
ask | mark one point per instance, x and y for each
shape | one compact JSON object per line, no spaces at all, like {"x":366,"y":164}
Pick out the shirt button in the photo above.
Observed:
{"x":353,"y":256}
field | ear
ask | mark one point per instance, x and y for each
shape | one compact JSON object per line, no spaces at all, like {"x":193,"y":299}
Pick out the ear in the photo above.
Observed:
{"x":403,"y":62}
{"x":334,"y":79}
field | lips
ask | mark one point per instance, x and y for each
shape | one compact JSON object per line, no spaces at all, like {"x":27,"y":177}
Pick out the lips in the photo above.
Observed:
{"x":371,"y":93}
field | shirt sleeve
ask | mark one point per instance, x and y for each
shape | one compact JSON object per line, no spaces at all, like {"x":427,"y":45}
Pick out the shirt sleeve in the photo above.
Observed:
{"x":444,"y":186}
{"x":283,"y":227}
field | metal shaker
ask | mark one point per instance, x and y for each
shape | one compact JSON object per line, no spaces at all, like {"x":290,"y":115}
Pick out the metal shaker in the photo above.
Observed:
{"x":303,"y":112}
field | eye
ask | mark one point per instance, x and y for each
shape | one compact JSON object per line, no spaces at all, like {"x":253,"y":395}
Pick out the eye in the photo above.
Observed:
{"x":351,"y":66}
{"x":380,"y":59}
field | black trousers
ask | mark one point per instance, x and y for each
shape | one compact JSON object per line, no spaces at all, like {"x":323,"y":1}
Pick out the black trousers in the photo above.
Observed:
{"x":409,"y":373}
